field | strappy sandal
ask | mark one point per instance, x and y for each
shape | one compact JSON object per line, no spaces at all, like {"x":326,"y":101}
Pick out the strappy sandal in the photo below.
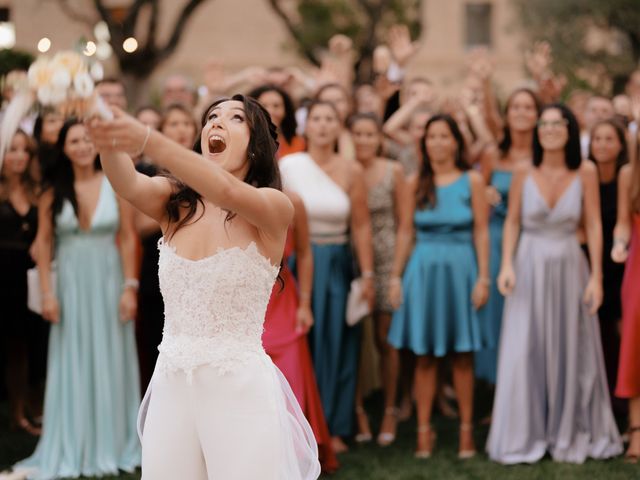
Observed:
{"x":424,"y":454}
{"x":466,"y":454}
{"x":633,"y":458}
{"x":363,"y":437}
{"x":387,"y":438}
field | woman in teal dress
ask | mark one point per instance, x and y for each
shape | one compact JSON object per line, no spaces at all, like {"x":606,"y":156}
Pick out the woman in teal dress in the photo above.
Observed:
{"x":497,"y":164}
{"x":335,"y":197}
{"x":92,"y":389}
{"x":446,"y":279}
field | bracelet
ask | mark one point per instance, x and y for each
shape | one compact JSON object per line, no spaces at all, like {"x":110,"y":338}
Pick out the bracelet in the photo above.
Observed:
{"x":484,"y":280}
{"x":133,"y":283}
{"x":144,"y":144}
{"x":367,"y":274}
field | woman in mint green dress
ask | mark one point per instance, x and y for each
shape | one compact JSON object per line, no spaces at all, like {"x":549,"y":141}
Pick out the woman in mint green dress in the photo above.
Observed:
{"x":446,"y":278}
{"x":92,"y":390}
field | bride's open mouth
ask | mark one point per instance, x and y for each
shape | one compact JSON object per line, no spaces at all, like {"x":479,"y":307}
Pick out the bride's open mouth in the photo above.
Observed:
{"x":217,"y":144}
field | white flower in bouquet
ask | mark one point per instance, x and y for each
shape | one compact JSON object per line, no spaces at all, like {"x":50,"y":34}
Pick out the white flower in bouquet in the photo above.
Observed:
{"x":40,"y":73}
{"x":70,"y":61}
{"x":83,"y":85}
{"x":48,"y":95}
{"x":96,"y":71}
{"x":61,"y":79}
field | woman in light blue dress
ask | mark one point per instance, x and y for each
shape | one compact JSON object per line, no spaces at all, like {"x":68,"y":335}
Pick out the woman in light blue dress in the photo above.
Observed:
{"x":497,"y":167}
{"x":334,"y":194}
{"x":446,"y":279}
{"x":92,"y":390}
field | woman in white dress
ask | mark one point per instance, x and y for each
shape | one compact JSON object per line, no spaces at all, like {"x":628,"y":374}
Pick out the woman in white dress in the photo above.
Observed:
{"x":216,"y":407}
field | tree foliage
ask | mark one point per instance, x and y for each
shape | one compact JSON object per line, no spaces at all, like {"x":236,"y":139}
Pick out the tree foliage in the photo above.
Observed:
{"x":11,"y":59}
{"x":312,"y":23}
{"x":595,"y":43}
{"x":123,"y":22}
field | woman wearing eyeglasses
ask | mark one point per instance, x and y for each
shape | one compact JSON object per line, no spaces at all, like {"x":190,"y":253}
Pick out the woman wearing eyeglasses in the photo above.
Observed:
{"x":552,"y":393}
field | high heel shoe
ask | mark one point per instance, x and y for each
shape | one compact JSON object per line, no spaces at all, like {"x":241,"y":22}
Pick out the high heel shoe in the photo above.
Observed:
{"x":425,"y":453}
{"x":629,"y":457}
{"x":469,"y":453}
{"x":387,"y":438}
{"x":364,"y":430}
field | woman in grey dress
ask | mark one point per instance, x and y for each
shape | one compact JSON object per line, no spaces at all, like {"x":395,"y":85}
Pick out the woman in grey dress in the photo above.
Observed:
{"x":551,"y":393}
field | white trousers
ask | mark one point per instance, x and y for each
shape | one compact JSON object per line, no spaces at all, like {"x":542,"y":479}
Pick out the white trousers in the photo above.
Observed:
{"x":218,"y":427}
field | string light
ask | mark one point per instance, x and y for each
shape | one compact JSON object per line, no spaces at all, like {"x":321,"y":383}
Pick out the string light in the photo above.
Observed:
{"x":130,"y":45}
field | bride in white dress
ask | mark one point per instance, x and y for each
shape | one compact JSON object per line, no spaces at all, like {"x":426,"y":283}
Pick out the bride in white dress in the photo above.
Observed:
{"x":216,"y":407}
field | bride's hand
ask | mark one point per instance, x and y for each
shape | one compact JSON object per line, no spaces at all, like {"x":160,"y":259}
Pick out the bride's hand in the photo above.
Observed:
{"x":123,"y":134}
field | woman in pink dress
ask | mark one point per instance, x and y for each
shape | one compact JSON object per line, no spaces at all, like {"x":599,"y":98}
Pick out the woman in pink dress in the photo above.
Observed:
{"x":287,"y":322}
{"x":626,"y":247}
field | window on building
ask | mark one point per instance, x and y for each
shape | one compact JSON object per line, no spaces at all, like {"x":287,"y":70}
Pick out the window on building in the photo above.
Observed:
{"x":478,"y":24}
{"x":7,"y":30}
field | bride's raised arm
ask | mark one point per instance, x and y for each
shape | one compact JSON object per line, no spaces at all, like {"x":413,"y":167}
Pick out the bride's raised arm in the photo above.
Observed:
{"x":236,"y":146}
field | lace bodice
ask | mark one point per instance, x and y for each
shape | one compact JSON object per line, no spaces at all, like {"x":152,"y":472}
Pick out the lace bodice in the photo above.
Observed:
{"x":214,"y":307}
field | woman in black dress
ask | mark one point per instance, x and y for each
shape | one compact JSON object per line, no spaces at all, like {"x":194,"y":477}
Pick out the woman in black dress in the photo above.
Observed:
{"x":18,"y":226}
{"x":608,"y":149}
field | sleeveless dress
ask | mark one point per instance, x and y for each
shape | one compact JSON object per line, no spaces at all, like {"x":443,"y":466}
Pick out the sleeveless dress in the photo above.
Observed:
{"x":289,"y":350}
{"x":383,"y":227}
{"x":217,"y":407}
{"x":610,"y":311}
{"x":628,"y":385}
{"x":486,"y":360}
{"x":17,"y":233}
{"x":381,"y":203}
{"x":551,"y":394}
{"x":334,"y":345}
{"x":92,"y":389}
{"x":436,"y":316}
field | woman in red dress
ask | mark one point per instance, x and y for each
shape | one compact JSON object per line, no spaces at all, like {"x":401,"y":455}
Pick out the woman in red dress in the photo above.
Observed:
{"x":626,"y":247}
{"x":287,"y":322}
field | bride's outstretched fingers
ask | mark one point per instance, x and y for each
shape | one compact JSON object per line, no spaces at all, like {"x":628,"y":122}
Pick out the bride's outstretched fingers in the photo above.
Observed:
{"x":123,"y":134}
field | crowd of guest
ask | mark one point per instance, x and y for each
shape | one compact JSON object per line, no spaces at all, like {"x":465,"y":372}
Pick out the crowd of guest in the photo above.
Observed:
{"x":493,"y":244}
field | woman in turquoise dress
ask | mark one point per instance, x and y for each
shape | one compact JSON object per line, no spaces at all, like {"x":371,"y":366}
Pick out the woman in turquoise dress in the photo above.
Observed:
{"x":92,"y":390}
{"x":446,"y":279}
{"x":335,"y":197}
{"x":497,"y":164}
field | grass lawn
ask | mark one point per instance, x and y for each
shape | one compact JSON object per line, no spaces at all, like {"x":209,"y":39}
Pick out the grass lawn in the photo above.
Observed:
{"x":370,"y":462}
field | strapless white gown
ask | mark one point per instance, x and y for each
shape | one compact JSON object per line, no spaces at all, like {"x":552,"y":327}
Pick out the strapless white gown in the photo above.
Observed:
{"x":217,"y":406}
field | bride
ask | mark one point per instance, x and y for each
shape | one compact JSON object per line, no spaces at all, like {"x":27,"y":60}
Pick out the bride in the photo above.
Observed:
{"x":216,"y":407}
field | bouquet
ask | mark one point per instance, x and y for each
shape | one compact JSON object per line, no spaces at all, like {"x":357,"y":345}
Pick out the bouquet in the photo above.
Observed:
{"x":64,"y":82}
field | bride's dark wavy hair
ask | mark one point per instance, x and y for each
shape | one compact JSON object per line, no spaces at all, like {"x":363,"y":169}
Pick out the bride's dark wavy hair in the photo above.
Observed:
{"x":261,"y":155}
